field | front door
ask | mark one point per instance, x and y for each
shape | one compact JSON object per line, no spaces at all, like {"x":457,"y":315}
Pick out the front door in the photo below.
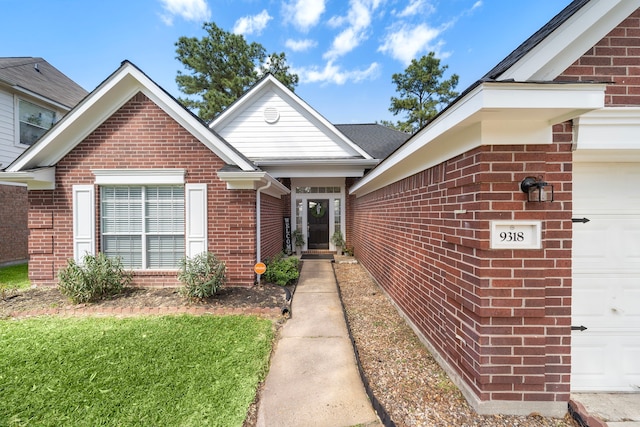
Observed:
{"x":318,"y":224}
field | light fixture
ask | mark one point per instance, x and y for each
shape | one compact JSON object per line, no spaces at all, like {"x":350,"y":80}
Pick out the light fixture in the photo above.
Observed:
{"x":537,"y":190}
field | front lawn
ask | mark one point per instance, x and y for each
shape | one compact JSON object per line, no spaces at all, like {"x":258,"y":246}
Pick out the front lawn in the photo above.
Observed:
{"x":14,"y":276}
{"x":145,"y":371}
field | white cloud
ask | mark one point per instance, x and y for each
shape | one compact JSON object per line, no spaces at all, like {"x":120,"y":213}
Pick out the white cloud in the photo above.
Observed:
{"x":300,"y":45}
{"x":189,"y":10}
{"x":416,"y":6}
{"x":407,"y":42}
{"x":303,"y":14}
{"x":359,"y":20}
{"x":332,"y":73}
{"x":252,"y":24}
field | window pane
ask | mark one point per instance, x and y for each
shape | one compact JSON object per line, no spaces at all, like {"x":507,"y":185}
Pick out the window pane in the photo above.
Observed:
{"x":164,"y":251}
{"x":336,"y":214}
{"x":299,"y":214}
{"x":121,"y":209}
{"x":34,"y":121}
{"x":165,"y":210}
{"x":128,"y":248}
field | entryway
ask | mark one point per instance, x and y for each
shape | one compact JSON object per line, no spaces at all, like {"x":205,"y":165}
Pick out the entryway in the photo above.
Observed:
{"x":318,"y":210}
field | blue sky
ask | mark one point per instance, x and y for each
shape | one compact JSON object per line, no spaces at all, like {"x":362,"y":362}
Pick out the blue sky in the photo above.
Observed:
{"x":345,"y":51}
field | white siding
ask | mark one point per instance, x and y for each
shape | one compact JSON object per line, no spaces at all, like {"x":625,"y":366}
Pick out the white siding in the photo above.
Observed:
{"x":296,"y":134}
{"x":8,"y":149}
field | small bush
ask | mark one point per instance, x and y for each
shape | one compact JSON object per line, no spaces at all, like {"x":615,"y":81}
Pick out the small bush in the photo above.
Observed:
{"x":202,"y":276}
{"x":97,"y":277}
{"x":282,"y":270}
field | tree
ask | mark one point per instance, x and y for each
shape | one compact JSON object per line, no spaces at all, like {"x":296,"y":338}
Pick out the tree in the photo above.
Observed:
{"x":222,"y":66}
{"x":422,"y":92}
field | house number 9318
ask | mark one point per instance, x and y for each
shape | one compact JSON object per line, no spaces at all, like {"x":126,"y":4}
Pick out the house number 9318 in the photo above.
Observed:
{"x":512,"y":236}
{"x":516,"y":234}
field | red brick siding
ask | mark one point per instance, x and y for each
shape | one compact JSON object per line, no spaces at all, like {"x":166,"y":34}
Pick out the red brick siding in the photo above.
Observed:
{"x":13,"y":223}
{"x":272,"y":226}
{"x":140,"y":135}
{"x":616,"y":59}
{"x":500,"y":318}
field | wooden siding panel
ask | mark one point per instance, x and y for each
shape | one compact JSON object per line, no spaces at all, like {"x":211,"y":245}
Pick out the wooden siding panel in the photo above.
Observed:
{"x":8,"y":150}
{"x":294,"y":135}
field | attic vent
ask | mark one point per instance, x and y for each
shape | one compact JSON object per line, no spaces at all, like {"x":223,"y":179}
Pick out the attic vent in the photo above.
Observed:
{"x":271,"y":115}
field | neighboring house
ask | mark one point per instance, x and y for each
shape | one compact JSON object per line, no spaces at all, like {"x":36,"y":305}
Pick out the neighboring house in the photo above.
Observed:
{"x":33,"y":97}
{"x":491,"y":282}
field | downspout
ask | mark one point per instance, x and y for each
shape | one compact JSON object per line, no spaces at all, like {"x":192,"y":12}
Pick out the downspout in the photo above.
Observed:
{"x":258,"y":222}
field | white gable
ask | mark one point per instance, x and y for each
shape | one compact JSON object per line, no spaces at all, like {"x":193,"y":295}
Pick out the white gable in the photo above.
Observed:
{"x":271,"y":123}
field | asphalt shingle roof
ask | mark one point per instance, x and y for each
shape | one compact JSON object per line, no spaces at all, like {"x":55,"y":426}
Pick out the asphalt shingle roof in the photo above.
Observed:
{"x":377,"y":140}
{"x":534,"y":40}
{"x":38,"y":76}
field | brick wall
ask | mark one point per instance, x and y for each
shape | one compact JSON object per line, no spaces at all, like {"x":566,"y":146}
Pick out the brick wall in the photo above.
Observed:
{"x":616,"y":59}
{"x":141,"y":135}
{"x":13,"y":223}
{"x":499,"y":318}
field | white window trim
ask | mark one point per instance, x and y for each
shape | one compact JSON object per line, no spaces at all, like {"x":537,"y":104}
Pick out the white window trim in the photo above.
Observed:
{"x":139,"y":176}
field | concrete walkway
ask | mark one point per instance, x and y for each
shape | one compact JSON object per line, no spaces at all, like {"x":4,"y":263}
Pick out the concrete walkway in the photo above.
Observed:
{"x":314,"y":379}
{"x":607,"y":409}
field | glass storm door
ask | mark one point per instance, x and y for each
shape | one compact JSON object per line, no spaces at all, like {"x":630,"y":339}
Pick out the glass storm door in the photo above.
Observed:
{"x":318,"y":224}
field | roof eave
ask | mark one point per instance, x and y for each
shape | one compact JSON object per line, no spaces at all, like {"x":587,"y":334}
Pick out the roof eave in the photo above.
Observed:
{"x":241,"y":180}
{"x":36,"y":179}
{"x":491,"y":114}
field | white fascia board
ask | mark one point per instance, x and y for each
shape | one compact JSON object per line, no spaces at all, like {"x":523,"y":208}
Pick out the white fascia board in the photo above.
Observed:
{"x":285,"y":93}
{"x":36,"y":179}
{"x":240,"y":180}
{"x":607,"y":129}
{"x":103,"y":103}
{"x":525,"y":110}
{"x":571,"y":40}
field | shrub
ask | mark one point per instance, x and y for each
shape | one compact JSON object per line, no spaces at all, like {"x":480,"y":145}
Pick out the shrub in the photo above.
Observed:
{"x":282,"y":270}
{"x":95,"y":278}
{"x":202,"y":276}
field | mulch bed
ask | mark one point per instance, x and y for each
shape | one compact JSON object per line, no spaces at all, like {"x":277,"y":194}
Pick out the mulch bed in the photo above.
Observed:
{"x":404,"y":378}
{"x":263,"y":300}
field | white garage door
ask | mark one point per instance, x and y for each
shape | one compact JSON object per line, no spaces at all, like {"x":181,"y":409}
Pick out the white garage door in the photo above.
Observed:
{"x":606,"y":277}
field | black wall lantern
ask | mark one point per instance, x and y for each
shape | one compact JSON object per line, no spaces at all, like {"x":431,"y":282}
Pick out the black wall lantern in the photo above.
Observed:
{"x":537,"y":190}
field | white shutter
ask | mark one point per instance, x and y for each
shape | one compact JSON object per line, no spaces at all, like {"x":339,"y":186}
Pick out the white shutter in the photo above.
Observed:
{"x":196,"y":216}
{"x":84,"y":221}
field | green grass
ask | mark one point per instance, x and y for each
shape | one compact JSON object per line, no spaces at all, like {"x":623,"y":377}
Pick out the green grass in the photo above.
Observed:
{"x":14,"y":276}
{"x":147,"y":371}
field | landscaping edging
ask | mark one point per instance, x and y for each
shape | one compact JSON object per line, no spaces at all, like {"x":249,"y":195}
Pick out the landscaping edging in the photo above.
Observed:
{"x":271,"y":313}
